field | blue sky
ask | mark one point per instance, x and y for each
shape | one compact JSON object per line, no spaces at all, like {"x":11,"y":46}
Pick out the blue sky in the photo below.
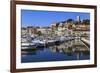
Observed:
{"x":46,"y":18}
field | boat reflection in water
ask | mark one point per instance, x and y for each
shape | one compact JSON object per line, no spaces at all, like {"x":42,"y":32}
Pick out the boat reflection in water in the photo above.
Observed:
{"x":64,"y":51}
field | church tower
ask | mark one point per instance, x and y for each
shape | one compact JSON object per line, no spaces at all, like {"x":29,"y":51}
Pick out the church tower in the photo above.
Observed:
{"x":78,"y":18}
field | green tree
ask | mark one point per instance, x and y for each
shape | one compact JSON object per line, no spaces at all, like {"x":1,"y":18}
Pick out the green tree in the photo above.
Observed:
{"x":70,"y":20}
{"x":86,"y":21}
{"x":39,"y":33}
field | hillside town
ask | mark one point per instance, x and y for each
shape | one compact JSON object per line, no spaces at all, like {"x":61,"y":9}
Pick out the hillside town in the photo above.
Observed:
{"x":68,"y":29}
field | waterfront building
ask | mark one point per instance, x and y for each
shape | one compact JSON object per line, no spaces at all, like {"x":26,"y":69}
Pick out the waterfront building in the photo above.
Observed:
{"x":62,"y":28}
{"x":31,"y":30}
{"x":54,"y":26}
{"x":23,"y":31}
{"x":82,"y":30}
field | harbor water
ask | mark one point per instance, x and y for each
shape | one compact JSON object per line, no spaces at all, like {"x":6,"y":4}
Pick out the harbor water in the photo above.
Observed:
{"x":64,"y":51}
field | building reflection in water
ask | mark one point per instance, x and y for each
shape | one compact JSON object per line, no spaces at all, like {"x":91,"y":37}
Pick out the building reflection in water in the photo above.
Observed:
{"x":71,"y":47}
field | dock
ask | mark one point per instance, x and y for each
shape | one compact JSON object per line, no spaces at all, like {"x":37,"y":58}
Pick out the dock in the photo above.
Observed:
{"x":87,"y":42}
